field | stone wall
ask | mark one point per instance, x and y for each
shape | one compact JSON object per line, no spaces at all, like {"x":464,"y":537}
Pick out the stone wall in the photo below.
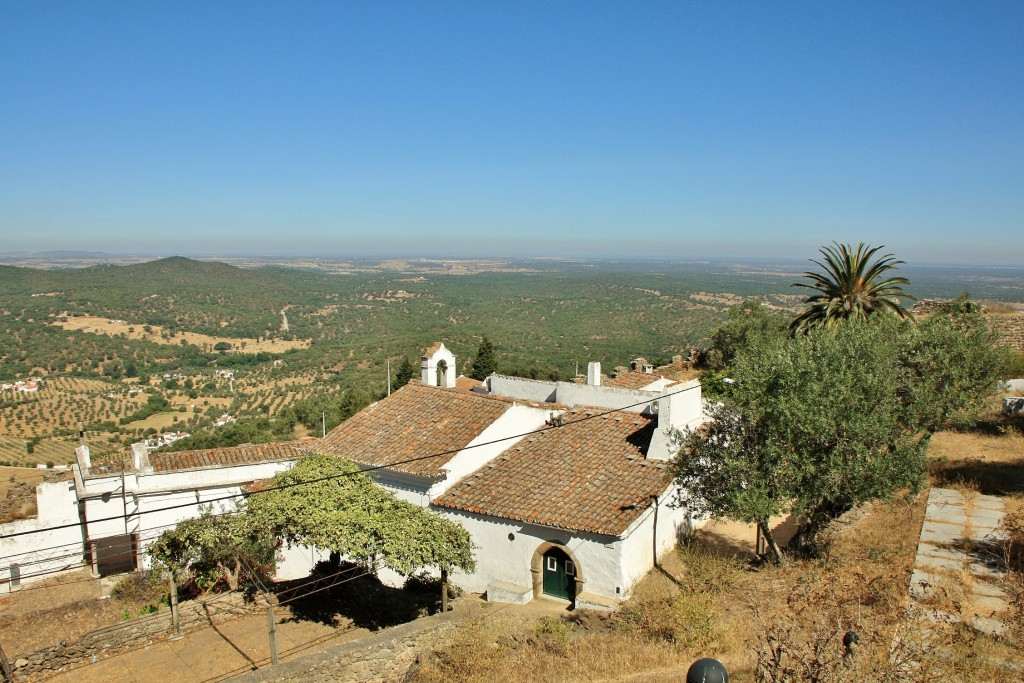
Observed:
{"x":1011,"y":330}
{"x":384,"y":657}
{"x":1009,"y":327}
{"x":134,"y":634}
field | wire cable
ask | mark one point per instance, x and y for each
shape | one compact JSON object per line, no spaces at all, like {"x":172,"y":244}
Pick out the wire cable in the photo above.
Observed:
{"x":372,"y":468}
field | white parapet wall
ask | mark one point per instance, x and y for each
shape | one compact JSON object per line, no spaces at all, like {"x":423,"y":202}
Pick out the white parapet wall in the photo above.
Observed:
{"x":522,"y":388}
{"x":38,"y":548}
{"x":151,"y":502}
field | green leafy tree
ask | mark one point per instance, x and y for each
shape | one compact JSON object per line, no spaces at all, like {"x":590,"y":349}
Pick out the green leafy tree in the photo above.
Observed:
{"x":820,"y":422}
{"x":217,"y":550}
{"x":951,"y":359}
{"x":325,"y":502}
{"x":485,"y":363}
{"x":852,"y":286}
{"x":746,"y":324}
{"x":406,"y":371}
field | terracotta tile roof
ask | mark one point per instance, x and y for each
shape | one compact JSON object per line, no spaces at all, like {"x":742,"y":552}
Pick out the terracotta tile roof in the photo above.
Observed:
{"x":233,"y":455}
{"x":463,"y":383}
{"x":414,"y":421}
{"x":632,"y":380}
{"x":590,"y":476}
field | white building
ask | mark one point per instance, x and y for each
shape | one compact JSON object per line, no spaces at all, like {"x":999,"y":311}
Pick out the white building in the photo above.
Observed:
{"x":562,"y":486}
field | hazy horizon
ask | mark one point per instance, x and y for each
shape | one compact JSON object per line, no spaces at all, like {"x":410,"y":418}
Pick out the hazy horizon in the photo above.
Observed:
{"x":582,"y":129}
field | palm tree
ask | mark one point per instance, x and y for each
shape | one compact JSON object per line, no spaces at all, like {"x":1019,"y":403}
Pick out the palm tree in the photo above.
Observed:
{"x":852,"y":286}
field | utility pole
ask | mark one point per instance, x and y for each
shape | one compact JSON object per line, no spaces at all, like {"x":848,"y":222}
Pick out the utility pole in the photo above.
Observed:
{"x":444,"y":591}
{"x":272,"y":629}
{"x":389,"y":377}
{"x":5,"y":667}
{"x":323,"y":424}
{"x":175,"y":616}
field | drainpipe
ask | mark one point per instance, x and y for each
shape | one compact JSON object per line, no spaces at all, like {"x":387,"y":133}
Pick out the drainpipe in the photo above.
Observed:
{"x":654,"y":531}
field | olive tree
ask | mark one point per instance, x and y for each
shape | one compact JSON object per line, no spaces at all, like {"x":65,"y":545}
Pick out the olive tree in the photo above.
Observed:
{"x":326,"y":502}
{"x":817,"y":423}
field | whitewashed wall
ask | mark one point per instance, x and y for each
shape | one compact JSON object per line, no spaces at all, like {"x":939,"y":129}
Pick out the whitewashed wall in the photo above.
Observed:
{"x":501,"y":559}
{"x":43,"y":552}
{"x":143,"y":508}
{"x":520,"y":387}
{"x":639,"y":542}
{"x":499,"y":436}
{"x":632,"y":400}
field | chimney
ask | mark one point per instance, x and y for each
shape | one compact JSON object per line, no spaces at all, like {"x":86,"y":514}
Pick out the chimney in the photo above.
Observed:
{"x":594,"y":373}
{"x":84,"y":459}
{"x":680,"y":410}
{"x":140,"y":456}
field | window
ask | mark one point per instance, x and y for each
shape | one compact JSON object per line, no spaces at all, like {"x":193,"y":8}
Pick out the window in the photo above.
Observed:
{"x":552,"y":564}
{"x":570,"y":568}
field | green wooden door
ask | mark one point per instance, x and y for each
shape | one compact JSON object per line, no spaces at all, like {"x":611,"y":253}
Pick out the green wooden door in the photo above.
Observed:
{"x":559,"y":575}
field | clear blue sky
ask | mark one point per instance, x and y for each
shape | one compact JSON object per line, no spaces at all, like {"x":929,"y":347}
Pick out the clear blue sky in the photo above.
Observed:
{"x":519,"y":128}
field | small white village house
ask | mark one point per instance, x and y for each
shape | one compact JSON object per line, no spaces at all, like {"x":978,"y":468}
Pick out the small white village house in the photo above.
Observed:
{"x":562,"y":485}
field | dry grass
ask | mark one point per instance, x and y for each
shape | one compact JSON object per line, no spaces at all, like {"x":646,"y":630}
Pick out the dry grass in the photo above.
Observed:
{"x":765,"y":624}
{"x":95,"y":325}
{"x":989,"y":461}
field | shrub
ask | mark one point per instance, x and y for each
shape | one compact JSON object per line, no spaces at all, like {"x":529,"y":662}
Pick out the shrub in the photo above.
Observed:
{"x":142,"y":588}
{"x":686,"y":619}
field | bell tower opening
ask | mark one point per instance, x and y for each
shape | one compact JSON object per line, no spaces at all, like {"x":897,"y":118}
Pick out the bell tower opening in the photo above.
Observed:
{"x":438,"y":367}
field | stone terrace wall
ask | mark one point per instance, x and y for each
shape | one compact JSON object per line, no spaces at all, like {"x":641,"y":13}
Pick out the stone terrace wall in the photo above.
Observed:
{"x":134,"y":634}
{"x":384,"y":657}
{"x":1011,"y":330}
{"x":1009,"y":327}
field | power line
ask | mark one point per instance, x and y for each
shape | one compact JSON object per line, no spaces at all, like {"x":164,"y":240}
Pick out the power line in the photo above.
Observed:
{"x":372,"y":468}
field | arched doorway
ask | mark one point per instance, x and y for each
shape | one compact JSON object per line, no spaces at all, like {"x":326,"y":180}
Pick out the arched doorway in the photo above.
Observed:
{"x":556,"y":572}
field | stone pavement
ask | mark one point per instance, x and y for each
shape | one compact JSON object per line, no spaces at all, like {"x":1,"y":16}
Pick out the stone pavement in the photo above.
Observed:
{"x":958,"y":561}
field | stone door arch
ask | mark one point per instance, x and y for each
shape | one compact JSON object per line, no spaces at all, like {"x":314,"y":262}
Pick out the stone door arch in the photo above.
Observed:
{"x":537,"y":569}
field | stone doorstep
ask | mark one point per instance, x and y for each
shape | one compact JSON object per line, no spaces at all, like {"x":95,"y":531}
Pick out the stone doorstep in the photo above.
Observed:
{"x":596,"y":602}
{"x":503,"y":591}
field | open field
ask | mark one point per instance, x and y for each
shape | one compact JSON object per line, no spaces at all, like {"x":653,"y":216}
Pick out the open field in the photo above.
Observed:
{"x":158,"y":335}
{"x":29,"y":476}
{"x":65,"y":403}
{"x":14,"y":451}
{"x":86,"y":334}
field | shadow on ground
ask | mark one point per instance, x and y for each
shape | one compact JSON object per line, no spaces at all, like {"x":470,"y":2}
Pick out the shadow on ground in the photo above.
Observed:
{"x":347,"y":594}
{"x":990,"y":478}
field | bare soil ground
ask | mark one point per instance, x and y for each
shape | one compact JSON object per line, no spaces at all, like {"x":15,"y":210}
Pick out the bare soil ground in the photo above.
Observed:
{"x":10,"y":476}
{"x":96,"y":325}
